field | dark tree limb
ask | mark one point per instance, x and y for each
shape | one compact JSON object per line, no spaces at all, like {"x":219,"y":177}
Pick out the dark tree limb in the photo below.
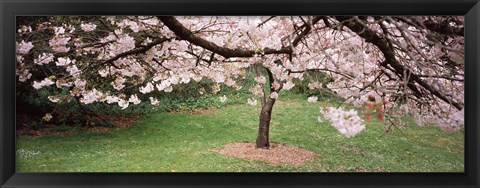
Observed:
{"x":185,"y":34}
{"x":443,"y":28}
{"x":390,"y":59}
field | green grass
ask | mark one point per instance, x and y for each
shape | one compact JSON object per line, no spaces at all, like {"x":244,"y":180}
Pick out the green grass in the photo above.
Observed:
{"x":182,"y":142}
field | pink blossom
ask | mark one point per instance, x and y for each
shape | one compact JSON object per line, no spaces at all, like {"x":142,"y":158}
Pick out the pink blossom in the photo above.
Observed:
{"x":219,"y":78}
{"x":126,"y":43}
{"x":223,"y":99}
{"x":147,"y":89}
{"x":154,"y":101}
{"x":131,"y":24}
{"x":80,"y":83}
{"x":73,"y":70}
{"x":261,"y":79}
{"x":58,"y":43}
{"x":134,"y":99}
{"x":45,"y":82}
{"x":118,"y":83}
{"x":123,"y":103}
{"x":62,"y":83}
{"x":312,"y":99}
{"x":103,"y":72}
{"x":163,"y":85}
{"x":252,"y":101}
{"x":24,"y":47}
{"x":23,"y":73}
{"x":63,"y":61}
{"x":112,"y":99}
{"x":53,"y":99}
{"x":59,"y":30}
{"x":256,"y":90}
{"x":288,"y":85}
{"x":91,"y":96}
{"x":87,"y":27}
{"x":47,"y":117}
{"x":276,"y":85}
{"x":24,"y":29}
{"x":274,"y":95}
{"x":315,"y":85}
{"x":168,"y":89}
{"x":43,"y":59}
{"x":347,"y":123}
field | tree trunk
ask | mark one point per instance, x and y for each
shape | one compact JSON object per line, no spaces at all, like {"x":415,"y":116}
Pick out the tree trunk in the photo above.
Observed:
{"x":264,"y":124}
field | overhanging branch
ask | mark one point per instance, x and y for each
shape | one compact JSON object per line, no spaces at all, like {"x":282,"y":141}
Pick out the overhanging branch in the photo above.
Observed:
{"x":185,"y":34}
{"x":390,"y":59}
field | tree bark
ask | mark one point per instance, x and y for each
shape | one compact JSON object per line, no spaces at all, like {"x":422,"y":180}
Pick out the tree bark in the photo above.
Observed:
{"x":264,"y":124}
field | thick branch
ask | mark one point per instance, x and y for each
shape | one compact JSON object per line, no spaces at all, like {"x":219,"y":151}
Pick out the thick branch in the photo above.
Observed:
{"x":389,"y":54}
{"x":185,"y":34}
{"x":308,"y":28}
{"x":444,"y":28}
{"x":137,"y":50}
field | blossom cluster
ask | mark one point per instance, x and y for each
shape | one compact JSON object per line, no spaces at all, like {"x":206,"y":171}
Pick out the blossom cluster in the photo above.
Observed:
{"x":58,"y":43}
{"x":252,"y":101}
{"x":223,"y":99}
{"x":87,"y":27}
{"x":347,"y":123}
{"x":43,"y":59}
{"x":45,"y":82}
{"x":349,"y":63}
{"x":24,"y":47}
{"x":312,"y":99}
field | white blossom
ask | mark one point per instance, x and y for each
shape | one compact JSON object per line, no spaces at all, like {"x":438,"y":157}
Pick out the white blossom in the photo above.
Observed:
{"x":43,"y":59}
{"x":256,"y":90}
{"x":24,"y":47}
{"x":118,"y":83}
{"x":261,"y":79}
{"x":112,"y":99}
{"x":315,"y":85}
{"x":274,"y":95}
{"x":288,"y":85}
{"x":154,"y":101}
{"x":313,"y":99}
{"x":123,"y":103}
{"x":223,"y":98}
{"x":58,"y":43}
{"x":87,"y":27}
{"x":147,"y":89}
{"x":347,"y":123}
{"x":252,"y":101}
{"x":134,"y":99}
{"x":45,"y":82}
{"x":63,"y":61}
{"x":53,"y":99}
{"x":47,"y":117}
{"x":73,"y":70}
{"x":91,"y":96}
{"x":80,"y":83}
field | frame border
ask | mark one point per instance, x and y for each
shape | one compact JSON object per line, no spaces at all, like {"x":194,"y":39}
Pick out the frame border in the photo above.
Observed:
{"x":9,"y":9}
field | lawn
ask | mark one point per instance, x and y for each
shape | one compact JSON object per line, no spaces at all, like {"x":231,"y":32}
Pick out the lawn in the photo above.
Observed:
{"x":184,"y":142}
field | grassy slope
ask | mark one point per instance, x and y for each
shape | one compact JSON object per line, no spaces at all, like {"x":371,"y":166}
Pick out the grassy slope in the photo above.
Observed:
{"x":165,"y":142}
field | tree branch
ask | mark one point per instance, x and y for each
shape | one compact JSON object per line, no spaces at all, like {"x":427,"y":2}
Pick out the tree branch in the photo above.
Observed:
{"x":185,"y":34}
{"x":390,"y":59}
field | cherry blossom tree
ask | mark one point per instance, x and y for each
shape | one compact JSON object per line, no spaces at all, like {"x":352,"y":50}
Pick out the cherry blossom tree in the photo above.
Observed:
{"x":413,"y":65}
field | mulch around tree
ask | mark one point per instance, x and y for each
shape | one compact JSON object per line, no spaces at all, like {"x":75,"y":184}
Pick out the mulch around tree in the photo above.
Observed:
{"x":276,"y":154}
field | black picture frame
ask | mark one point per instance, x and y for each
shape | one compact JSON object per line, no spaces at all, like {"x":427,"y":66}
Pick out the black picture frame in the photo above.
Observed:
{"x":9,"y":9}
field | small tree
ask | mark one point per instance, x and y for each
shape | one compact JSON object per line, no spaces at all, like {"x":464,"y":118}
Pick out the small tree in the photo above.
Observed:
{"x":407,"y":61}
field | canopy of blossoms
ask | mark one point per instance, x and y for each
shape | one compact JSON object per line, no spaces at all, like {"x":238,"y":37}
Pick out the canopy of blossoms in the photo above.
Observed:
{"x":414,"y":65}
